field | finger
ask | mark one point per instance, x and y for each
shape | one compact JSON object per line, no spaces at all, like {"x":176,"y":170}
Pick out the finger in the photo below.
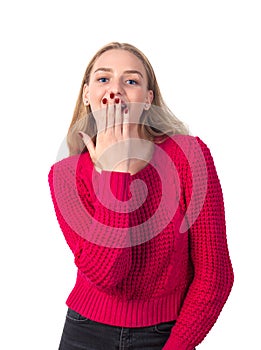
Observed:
{"x":101,"y":119}
{"x":110,"y":116}
{"x":118,"y":118}
{"x":125,"y":123}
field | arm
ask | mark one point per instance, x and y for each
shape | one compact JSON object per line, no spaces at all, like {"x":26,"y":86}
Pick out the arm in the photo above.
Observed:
{"x":213,"y":274}
{"x":90,"y":229}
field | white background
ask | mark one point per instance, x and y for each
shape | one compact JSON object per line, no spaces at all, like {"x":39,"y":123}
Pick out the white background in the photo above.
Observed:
{"x":206,"y":55}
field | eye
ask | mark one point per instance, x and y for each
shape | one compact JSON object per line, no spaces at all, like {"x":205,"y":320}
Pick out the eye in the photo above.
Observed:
{"x":131,"y":82}
{"x":102,"y":80}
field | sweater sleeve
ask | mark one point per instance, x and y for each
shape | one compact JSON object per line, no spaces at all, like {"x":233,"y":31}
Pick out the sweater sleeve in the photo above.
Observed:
{"x":97,"y":235}
{"x":213,"y":274}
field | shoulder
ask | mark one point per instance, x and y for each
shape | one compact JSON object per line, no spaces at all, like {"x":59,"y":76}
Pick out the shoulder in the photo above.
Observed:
{"x":187,"y":141}
{"x":70,"y":166}
{"x":189,"y":154}
{"x":184,"y":146}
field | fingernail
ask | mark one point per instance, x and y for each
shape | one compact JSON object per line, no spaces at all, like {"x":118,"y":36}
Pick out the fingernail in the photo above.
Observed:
{"x":80,"y":134}
{"x":104,"y":100}
{"x":112,"y":95}
{"x":117,"y":100}
{"x":126,"y":110}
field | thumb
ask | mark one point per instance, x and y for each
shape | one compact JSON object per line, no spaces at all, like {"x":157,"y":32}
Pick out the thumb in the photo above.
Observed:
{"x":87,"y":141}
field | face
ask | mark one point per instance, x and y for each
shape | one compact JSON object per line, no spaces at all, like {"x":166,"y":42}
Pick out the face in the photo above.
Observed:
{"x":119,"y":72}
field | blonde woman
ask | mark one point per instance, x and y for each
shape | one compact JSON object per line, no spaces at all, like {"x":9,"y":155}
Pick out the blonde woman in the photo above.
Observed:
{"x":140,"y":205}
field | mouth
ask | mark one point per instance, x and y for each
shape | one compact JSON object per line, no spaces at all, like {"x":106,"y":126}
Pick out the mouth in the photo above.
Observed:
{"x":123,"y":105}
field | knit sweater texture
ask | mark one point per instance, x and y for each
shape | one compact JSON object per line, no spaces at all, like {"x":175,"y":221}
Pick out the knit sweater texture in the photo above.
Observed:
{"x":149,"y":247}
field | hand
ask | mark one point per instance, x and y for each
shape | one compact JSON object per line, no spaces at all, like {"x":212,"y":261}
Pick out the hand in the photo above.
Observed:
{"x":112,"y":148}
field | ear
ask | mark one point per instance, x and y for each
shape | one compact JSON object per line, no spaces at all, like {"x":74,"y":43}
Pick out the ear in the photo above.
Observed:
{"x":85,"y":94}
{"x":150,"y":96}
{"x":149,"y":99}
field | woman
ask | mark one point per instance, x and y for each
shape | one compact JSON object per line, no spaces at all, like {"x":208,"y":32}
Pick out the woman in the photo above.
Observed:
{"x":140,"y":205}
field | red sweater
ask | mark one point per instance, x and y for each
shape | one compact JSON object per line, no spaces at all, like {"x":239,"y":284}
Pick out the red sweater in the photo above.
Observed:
{"x":149,"y":247}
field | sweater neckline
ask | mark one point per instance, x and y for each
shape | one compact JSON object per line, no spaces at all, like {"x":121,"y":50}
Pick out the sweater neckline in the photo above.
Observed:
{"x":142,"y":171}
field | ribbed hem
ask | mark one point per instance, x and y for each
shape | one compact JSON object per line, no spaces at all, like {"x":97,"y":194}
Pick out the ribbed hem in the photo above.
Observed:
{"x":101,"y":307}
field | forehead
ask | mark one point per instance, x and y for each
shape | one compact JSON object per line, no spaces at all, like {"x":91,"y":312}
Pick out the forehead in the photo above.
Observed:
{"x":119,"y":59}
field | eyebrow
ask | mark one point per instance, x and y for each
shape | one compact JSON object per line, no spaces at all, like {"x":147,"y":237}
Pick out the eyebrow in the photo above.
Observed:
{"x":129,"y":71}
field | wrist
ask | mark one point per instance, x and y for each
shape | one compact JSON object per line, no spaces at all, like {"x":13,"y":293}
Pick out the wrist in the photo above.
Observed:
{"x":122,"y":167}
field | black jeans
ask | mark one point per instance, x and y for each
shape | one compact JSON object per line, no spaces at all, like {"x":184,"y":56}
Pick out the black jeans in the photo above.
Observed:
{"x":80,"y":333}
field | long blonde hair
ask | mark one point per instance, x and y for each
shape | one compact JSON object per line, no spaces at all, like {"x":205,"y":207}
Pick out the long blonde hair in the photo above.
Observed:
{"x":153,"y":126}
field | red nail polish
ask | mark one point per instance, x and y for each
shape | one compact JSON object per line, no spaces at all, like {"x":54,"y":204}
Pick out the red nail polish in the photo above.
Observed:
{"x":117,"y":100}
{"x":112,"y":95}
{"x":126,"y":110}
{"x":80,"y":134}
{"x":104,"y":100}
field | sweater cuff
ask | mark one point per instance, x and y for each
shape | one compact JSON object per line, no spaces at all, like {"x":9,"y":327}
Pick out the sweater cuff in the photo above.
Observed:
{"x":113,"y":185}
{"x":175,"y":344}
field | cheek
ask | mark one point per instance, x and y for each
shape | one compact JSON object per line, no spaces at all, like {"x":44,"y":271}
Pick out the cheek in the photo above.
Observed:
{"x":94,"y":94}
{"x":136,"y":110}
{"x":138,"y":95}
{"x":95,"y":98}
{"x":95,"y":90}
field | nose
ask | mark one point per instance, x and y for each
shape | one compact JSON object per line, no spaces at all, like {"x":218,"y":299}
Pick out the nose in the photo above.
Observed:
{"x":116,"y":87}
